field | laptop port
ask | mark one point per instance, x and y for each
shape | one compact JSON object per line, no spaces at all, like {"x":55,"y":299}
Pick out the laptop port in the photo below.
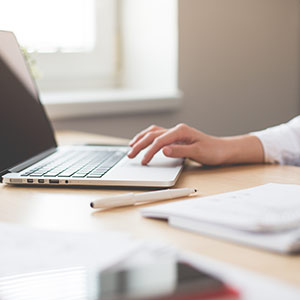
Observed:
{"x":41,"y":180}
{"x":53,"y":181}
{"x":29,"y":180}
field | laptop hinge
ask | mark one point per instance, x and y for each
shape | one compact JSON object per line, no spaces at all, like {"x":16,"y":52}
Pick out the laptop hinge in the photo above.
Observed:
{"x":32,"y":160}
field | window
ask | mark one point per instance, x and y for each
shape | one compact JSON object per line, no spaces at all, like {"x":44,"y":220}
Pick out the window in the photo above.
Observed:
{"x":99,"y":56}
{"x":73,"y":41}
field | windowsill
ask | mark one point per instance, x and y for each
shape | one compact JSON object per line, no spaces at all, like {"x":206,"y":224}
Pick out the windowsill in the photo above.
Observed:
{"x":61,"y":105}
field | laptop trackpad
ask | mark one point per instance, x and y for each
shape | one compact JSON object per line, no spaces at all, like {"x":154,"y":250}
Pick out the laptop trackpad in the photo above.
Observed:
{"x":160,"y":168}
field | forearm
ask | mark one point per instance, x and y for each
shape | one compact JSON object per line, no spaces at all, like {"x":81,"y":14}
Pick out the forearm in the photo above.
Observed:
{"x":242,"y":149}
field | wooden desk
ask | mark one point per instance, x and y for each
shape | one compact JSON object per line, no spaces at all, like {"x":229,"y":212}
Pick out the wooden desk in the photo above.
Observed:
{"x":68,"y":209}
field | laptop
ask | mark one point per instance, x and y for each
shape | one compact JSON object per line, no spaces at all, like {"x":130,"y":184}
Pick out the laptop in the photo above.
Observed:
{"x":30,"y":154}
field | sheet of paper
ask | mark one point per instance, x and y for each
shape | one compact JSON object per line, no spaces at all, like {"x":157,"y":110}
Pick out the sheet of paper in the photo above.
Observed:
{"x":39,"y":264}
{"x":24,"y":249}
{"x":266,"y":208}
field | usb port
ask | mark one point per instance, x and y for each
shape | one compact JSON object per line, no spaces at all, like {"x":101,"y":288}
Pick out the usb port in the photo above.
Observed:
{"x":29,"y":180}
{"x":41,"y":180}
{"x":53,"y":181}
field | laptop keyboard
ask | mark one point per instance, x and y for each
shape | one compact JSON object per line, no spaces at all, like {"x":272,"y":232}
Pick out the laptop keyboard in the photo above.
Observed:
{"x":79,"y":164}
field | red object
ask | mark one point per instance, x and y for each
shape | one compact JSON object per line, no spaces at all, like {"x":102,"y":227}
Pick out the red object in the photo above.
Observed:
{"x":226,"y":293}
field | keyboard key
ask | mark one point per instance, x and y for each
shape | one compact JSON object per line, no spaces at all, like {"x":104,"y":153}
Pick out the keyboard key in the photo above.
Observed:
{"x":94,"y":176}
{"x":66,"y":174}
{"x":51,"y":174}
{"x":79,"y":175}
{"x":112,"y":160}
{"x":76,"y":164}
{"x":100,"y":169}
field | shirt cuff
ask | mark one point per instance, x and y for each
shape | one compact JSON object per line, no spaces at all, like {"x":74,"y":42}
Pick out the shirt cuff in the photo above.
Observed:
{"x":271,"y":152}
{"x":281,"y":143}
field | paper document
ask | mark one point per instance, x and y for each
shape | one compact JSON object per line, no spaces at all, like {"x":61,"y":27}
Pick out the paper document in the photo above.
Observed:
{"x":24,"y":250}
{"x":266,"y":216}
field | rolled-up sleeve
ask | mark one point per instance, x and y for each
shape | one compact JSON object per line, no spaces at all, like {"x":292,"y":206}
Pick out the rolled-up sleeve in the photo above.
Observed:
{"x":281,"y":143}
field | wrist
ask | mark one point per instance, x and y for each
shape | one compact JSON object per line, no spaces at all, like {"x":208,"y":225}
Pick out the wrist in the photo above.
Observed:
{"x":242,"y":149}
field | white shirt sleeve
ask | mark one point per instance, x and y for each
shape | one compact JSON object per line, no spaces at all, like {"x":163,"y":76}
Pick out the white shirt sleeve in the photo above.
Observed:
{"x":281,"y":143}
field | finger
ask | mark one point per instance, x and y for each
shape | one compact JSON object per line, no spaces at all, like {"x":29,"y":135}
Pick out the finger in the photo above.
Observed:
{"x":180,"y":151}
{"x":144,"y":142}
{"x":143,"y":133}
{"x":174,"y":135}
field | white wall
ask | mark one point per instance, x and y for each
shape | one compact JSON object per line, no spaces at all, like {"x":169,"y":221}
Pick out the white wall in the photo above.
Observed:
{"x":239,"y":69}
{"x":146,"y":38}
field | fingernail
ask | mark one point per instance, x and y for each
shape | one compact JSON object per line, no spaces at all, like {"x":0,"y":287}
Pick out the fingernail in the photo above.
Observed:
{"x":144,"y":162}
{"x":168,"y":151}
{"x":132,"y":142}
{"x":129,"y":154}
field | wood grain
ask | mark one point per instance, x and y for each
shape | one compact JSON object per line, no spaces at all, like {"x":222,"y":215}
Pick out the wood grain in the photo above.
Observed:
{"x":67,"y":209}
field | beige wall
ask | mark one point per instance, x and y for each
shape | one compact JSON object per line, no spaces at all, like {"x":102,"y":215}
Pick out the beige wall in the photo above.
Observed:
{"x":239,"y":69}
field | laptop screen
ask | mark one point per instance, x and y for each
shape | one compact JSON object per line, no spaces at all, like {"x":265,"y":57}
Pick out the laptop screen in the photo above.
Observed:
{"x":25,"y":130}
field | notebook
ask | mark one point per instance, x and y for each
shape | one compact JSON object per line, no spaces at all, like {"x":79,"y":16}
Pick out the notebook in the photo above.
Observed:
{"x":266,"y":216}
{"x":29,"y":152}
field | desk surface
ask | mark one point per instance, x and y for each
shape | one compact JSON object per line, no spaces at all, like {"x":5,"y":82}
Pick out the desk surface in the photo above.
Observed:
{"x":68,"y":209}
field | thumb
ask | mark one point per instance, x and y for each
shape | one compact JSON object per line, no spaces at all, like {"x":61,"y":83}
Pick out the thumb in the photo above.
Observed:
{"x":179,"y":151}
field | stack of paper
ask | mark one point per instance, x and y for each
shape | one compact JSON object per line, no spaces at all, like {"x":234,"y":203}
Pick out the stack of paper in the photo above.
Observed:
{"x":266,"y":216}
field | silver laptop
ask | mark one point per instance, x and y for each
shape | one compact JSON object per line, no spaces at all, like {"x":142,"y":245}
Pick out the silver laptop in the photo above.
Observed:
{"x":29,"y":152}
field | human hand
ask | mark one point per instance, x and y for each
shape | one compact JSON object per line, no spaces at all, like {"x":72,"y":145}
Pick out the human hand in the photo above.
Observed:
{"x":179,"y":141}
